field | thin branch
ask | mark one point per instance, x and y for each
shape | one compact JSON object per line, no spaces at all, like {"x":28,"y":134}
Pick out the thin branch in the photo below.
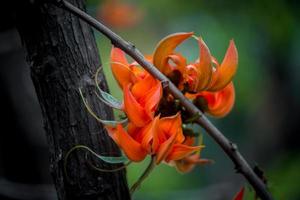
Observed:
{"x":229,"y":148}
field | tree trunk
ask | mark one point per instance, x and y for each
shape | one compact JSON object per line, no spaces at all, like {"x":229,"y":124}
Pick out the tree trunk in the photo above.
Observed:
{"x":63,"y":56}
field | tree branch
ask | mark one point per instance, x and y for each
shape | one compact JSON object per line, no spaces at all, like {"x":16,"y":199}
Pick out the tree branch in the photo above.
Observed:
{"x":230,"y":148}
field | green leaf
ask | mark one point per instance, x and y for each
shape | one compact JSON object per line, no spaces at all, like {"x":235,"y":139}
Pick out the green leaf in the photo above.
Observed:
{"x":109,"y":99}
{"x":113,"y":123}
{"x":113,"y":160}
{"x":106,"y":97}
{"x":108,"y":159}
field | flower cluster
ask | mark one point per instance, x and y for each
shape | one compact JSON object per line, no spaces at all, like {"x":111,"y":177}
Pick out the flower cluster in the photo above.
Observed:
{"x":156,"y":124}
{"x":206,"y":82}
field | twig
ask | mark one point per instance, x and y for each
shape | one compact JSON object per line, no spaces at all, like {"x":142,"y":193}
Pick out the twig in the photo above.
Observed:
{"x":230,"y":148}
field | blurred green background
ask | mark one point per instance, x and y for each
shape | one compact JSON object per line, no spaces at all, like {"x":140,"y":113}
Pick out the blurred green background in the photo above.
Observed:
{"x":264,"y":121}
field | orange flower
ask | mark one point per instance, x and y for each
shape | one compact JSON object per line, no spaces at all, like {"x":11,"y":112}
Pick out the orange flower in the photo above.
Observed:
{"x":220,"y":103}
{"x":139,"y":106}
{"x":224,"y":73}
{"x":142,"y":92}
{"x":128,"y":142}
{"x":189,"y":162}
{"x":168,"y":140}
{"x":204,"y":74}
{"x":162,"y":137}
{"x":119,"y":14}
{"x":121,"y":69}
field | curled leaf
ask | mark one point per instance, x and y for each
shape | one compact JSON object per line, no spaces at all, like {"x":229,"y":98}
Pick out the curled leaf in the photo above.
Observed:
{"x":105,"y":122}
{"x":109,"y":100}
{"x":108,"y":159}
{"x":106,"y":97}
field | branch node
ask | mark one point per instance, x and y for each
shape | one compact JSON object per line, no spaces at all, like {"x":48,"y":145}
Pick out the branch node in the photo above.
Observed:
{"x":165,"y":84}
{"x":233,"y":146}
{"x":131,"y":45}
{"x":238,"y":169}
{"x":200,"y":114}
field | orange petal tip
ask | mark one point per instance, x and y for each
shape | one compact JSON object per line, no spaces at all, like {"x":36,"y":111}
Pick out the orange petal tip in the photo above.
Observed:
{"x":166,"y":47}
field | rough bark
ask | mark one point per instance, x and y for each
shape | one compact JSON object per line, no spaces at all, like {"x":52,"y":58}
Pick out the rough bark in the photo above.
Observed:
{"x":63,"y":56}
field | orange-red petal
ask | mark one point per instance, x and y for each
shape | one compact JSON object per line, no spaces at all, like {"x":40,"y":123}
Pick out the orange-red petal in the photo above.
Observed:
{"x":117,"y":55}
{"x":141,"y":88}
{"x":204,"y":67}
{"x":225,"y":72}
{"x":134,"y":111}
{"x":179,"y":151}
{"x":131,"y":148}
{"x":188,"y":163}
{"x":120,"y":69}
{"x":191,"y":77}
{"x":220,"y":103}
{"x":179,"y":62}
{"x":165,"y":148}
{"x":167,"y":127}
{"x":147,"y":134}
{"x":189,"y":140}
{"x":152,"y":99}
{"x":165,"y":48}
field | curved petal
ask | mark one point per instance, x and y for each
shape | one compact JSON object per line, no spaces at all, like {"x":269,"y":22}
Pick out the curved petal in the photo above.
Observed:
{"x":224,"y":74}
{"x":204,"y":67}
{"x":166,"y":47}
{"x":167,"y":127}
{"x":152,"y":99}
{"x":147,"y":134}
{"x":165,"y":148}
{"x":179,"y":151}
{"x":134,"y":111}
{"x":189,"y":140}
{"x":191,"y":77}
{"x":138,"y":71}
{"x":112,"y":132}
{"x":220,"y":103}
{"x":188,"y":163}
{"x":179,"y":61}
{"x":172,"y":124}
{"x":131,"y":148}
{"x":117,"y":55}
{"x":139,"y":88}
{"x":134,"y":132}
{"x":120,"y":69}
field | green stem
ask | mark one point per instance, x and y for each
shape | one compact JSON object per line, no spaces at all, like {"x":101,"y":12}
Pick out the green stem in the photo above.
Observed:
{"x":146,"y":173}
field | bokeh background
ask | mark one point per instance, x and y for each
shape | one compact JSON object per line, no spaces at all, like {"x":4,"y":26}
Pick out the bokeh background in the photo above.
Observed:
{"x":264,"y":121}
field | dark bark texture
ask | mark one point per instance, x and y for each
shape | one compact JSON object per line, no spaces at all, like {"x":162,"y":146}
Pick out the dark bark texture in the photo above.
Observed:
{"x":63,"y":56}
